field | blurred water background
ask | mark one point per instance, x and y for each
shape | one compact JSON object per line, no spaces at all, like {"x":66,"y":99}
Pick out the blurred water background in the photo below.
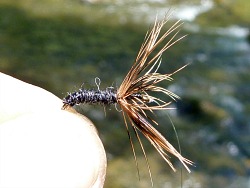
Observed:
{"x":61,"y":44}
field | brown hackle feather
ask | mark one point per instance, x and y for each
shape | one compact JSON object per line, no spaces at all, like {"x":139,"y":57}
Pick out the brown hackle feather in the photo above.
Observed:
{"x":143,"y":79}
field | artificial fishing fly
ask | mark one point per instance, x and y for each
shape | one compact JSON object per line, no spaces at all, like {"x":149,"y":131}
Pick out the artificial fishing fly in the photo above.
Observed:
{"x":135,"y":94}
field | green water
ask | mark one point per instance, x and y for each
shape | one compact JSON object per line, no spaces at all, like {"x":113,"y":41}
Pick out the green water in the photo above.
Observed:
{"x":61,"y":45}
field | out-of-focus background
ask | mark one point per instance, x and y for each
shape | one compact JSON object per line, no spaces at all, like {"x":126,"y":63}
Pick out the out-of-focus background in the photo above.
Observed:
{"x":61,"y":44}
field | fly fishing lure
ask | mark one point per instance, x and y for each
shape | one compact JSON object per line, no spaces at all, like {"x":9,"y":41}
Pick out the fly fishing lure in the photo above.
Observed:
{"x":134,"y":96}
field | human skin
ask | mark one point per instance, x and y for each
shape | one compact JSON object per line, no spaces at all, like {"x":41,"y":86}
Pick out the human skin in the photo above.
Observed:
{"x":42,"y":145}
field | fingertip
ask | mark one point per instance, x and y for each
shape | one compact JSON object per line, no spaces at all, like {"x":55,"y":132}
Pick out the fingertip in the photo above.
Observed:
{"x":51,"y":150}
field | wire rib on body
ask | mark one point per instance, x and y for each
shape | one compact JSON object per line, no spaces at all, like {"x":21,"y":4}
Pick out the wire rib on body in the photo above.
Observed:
{"x":90,"y":96}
